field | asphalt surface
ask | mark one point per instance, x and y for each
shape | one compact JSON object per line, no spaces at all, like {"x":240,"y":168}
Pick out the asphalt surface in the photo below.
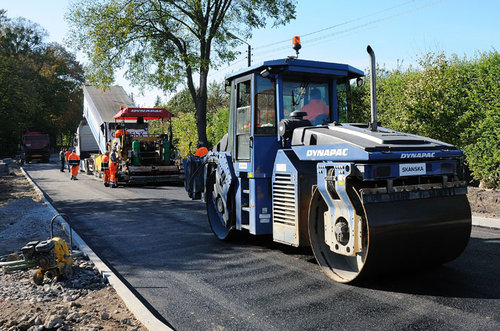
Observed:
{"x":160,"y":242}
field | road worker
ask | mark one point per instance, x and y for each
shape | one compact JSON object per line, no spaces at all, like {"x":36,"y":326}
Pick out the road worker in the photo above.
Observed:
{"x":62,"y":158}
{"x":201,"y":151}
{"x":66,"y":155}
{"x":114,"y":158}
{"x":316,"y":109}
{"x":105,"y":168}
{"x":120,"y":131}
{"x":74,"y":162}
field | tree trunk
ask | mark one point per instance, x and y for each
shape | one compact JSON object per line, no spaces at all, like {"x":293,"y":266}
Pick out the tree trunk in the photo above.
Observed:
{"x":201,"y":109}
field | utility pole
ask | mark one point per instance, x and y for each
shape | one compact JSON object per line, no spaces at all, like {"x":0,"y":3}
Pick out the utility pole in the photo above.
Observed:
{"x":249,"y":56}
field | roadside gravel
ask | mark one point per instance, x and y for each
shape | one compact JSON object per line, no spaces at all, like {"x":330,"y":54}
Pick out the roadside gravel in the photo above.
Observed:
{"x":84,"y":302}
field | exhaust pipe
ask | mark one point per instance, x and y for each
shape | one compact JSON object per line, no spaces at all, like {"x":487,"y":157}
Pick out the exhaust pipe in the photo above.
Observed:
{"x":373,"y":96}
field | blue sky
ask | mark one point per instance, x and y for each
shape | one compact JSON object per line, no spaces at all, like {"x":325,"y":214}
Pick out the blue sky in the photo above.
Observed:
{"x":398,"y":30}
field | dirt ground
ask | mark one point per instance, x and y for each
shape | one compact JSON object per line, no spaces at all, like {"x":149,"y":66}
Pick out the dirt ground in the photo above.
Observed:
{"x":85,"y":302}
{"x":15,"y":186}
{"x":483,"y":202}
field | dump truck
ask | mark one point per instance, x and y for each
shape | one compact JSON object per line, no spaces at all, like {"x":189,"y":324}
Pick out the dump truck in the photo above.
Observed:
{"x":85,"y":146}
{"x":365,"y":198}
{"x":99,"y":107}
{"x":36,"y":146}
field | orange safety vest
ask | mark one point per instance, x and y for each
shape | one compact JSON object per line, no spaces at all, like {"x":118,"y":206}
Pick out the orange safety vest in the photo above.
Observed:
{"x":105,"y":168}
{"x":74,"y":159}
{"x":120,"y":133}
{"x":66,"y":155}
{"x":105,"y":163}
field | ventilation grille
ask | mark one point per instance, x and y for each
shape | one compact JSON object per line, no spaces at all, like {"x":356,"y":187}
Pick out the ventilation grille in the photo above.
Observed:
{"x":284,"y":204}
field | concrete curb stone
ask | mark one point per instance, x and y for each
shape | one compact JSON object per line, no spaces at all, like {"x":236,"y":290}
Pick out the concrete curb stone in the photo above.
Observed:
{"x":486,"y":222}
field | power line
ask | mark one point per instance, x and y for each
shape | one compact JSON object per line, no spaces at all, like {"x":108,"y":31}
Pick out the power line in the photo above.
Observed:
{"x":340,"y":24}
{"x":378,"y":20}
{"x":229,"y":66}
{"x":321,"y":39}
{"x":357,"y":27}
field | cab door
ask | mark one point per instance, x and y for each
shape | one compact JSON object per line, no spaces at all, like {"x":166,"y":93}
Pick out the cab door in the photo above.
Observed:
{"x":264,"y":142}
{"x":243,"y":121}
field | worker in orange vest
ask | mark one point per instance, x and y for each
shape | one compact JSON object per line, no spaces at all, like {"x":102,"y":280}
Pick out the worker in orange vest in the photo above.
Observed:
{"x":114,"y":158}
{"x":66,"y":155}
{"x":201,"y":151}
{"x":105,"y":168}
{"x":74,"y":162}
{"x":120,"y":132}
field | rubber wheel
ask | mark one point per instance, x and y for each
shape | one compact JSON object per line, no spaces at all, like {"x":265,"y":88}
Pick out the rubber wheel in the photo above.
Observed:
{"x":221,"y":229}
{"x":340,"y":268}
{"x":38,"y":277}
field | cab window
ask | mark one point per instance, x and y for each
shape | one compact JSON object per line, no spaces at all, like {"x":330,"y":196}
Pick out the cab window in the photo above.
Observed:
{"x":343,"y":101}
{"x":265,"y":107}
{"x":243,"y":120}
{"x":310,"y":97}
{"x":243,"y":108}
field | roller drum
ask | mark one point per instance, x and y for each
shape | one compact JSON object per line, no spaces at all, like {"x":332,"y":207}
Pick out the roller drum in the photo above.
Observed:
{"x":397,"y":235}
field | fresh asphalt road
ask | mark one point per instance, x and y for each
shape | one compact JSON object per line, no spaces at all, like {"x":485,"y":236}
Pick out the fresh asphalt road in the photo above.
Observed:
{"x":159,"y":241}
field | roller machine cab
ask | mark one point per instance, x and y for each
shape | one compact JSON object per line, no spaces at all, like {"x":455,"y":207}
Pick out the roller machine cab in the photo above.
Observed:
{"x":366,"y":199}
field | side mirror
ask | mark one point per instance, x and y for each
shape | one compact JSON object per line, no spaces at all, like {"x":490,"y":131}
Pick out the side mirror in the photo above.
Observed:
{"x":359,"y":82}
{"x":227,"y":84}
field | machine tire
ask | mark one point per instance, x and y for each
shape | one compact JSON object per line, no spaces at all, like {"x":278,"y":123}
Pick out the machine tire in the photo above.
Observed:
{"x":87,"y":170}
{"x":340,"y":268}
{"x":37,"y":277}
{"x":215,"y":218}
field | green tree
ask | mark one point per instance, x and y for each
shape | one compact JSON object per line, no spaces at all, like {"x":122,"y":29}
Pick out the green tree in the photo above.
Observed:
{"x":40,"y":87}
{"x":481,"y":134}
{"x":184,"y":123}
{"x":166,"y":42}
{"x":185,"y":137}
{"x":452,"y":99}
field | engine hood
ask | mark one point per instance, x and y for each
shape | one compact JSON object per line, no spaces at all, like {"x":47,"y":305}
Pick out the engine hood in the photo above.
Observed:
{"x":382,"y":140}
{"x":353,"y":142}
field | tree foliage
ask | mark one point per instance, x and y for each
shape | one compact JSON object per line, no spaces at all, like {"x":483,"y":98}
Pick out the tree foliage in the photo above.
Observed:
{"x":167,"y":42}
{"x":185,"y":137}
{"x":40,"y":87}
{"x":456,"y":100}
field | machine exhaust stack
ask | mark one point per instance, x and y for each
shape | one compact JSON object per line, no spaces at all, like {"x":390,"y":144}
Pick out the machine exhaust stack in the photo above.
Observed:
{"x":373,"y":96}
